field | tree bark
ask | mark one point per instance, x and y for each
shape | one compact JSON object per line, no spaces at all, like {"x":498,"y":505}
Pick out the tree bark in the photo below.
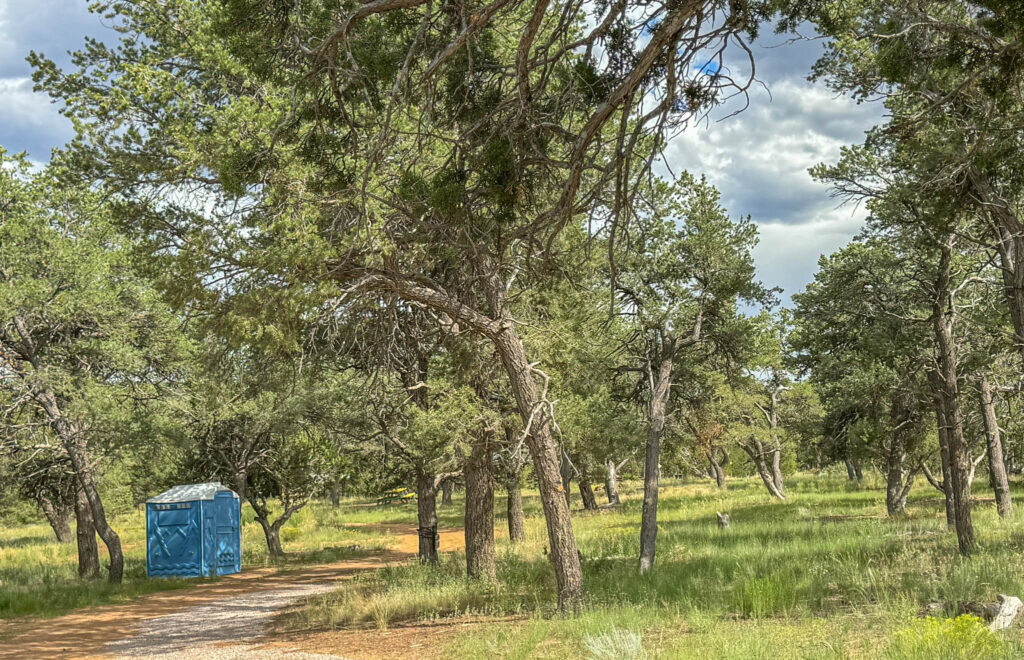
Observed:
{"x":716,"y":469}
{"x":850,"y":474}
{"x":943,"y":317}
{"x":58,"y":516}
{"x":997,"y":467}
{"x":446,"y":492}
{"x":1008,"y":235}
{"x":75,"y":446}
{"x":85,"y":532}
{"x":514,"y":511}
{"x":777,"y":470}
{"x":661,"y":384}
{"x":901,"y":420}
{"x":758,"y":456}
{"x":611,"y":482}
{"x":272,"y":532}
{"x":426,"y":516}
{"x":587,"y":493}
{"x":565,"y":472}
{"x":947,"y":490}
{"x":479,"y":526}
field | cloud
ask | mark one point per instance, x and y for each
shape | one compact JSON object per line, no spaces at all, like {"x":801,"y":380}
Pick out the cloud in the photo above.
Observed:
{"x":30,"y":121}
{"x":759,"y":158}
{"x":52,"y":27}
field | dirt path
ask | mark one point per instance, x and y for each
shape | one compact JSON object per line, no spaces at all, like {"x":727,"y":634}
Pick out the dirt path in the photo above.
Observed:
{"x":221,"y":619}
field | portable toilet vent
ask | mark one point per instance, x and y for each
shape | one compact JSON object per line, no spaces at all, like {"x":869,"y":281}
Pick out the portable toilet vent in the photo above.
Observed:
{"x":193,"y":531}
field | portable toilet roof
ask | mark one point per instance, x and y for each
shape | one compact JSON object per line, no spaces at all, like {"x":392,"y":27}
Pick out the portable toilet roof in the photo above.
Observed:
{"x":191,"y":492}
{"x":193,"y":530}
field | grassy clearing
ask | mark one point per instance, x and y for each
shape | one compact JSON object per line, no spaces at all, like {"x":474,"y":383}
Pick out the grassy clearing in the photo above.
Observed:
{"x":823,"y":575}
{"x":39,"y":577}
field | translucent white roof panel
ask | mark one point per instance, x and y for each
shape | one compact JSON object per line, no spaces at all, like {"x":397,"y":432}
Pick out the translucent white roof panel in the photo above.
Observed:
{"x":191,"y":492}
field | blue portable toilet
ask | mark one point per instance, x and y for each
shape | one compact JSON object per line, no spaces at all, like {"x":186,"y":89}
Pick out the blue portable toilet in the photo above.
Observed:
{"x":194,"y":531}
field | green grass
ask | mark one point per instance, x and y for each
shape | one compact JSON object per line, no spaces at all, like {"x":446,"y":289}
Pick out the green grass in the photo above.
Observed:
{"x":823,"y":575}
{"x":39,"y":577}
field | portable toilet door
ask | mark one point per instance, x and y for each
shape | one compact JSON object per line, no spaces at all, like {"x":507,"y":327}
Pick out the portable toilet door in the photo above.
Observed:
{"x":173,"y":539}
{"x":227,"y":526}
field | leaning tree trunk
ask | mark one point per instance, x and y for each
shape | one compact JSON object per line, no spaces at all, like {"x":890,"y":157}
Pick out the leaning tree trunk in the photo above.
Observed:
{"x":716,"y":469}
{"x":75,"y":446}
{"x":499,"y":328}
{"x":534,"y":412}
{"x":611,"y":482}
{"x":851,"y":475}
{"x":426,"y":516}
{"x":997,"y":467}
{"x":949,"y":395}
{"x":479,"y":527}
{"x":657,"y":413}
{"x":85,"y":532}
{"x":757,"y":453}
{"x":1008,"y":236}
{"x":59,"y":518}
{"x":446,"y":492}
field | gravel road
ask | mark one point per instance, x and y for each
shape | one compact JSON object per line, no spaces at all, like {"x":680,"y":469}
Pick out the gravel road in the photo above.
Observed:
{"x":227,"y":629}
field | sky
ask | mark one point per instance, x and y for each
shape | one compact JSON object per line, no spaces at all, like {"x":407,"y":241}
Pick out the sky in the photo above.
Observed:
{"x":758,"y":158}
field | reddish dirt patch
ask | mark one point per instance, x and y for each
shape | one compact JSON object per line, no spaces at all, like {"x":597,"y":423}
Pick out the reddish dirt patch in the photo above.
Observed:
{"x":85,"y":633}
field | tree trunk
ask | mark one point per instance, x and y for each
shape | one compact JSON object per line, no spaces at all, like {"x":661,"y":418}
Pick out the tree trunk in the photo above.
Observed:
{"x":947,"y":491}
{"x":587,"y":493}
{"x":611,"y":482}
{"x":562,"y":542}
{"x":272,"y":532}
{"x":446,"y":492}
{"x":426,"y":513}
{"x":949,"y":395}
{"x":895,"y":503}
{"x":851,"y":475}
{"x":716,"y":469}
{"x":59,"y":518}
{"x":565,"y":472}
{"x":901,"y":421}
{"x":499,"y":328}
{"x":777,"y":471}
{"x":756,"y":451}
{"x":335,"y":496}
{"x":514,"y":510}
{"x":658,"y":410}
{"x":479,"y":527}
{"x":1008,"y":236}
{"x":75,"y":446}
{"x":997,"y":468}
{"x":88,"y":550}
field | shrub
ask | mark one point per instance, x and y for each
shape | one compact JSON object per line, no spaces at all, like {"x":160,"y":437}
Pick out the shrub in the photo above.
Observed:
{"x":963,"y":638}
{"x":615,"y":645}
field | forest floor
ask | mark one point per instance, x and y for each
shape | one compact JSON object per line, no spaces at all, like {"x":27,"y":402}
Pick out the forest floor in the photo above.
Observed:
{"x":824,"y":574}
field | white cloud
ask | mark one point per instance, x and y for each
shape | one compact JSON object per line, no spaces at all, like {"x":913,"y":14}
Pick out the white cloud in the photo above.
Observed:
{"x":759,"y":159}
